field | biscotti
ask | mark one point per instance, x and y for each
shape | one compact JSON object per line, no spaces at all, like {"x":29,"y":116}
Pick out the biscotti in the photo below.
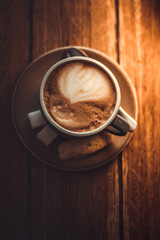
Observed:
{"x":78,"y":148}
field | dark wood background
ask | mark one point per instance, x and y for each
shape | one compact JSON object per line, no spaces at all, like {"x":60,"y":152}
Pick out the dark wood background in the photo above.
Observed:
{"x":120,"y":200}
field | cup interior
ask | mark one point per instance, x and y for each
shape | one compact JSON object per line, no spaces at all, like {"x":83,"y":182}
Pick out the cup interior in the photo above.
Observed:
{"x":58,"y":127}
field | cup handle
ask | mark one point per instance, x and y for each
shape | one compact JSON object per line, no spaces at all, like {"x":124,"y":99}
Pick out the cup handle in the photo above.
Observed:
{"x":122,"y":124}
{"x":73,"y":52}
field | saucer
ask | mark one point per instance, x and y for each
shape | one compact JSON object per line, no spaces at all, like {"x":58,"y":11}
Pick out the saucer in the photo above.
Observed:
{"x":26,"y":100}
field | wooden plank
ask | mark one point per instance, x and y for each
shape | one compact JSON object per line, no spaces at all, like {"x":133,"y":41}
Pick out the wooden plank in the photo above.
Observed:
{"x":139,"y":55}
{"x":103,"y":27}
{"x":14,"y":218}
{"x":81,"y":205}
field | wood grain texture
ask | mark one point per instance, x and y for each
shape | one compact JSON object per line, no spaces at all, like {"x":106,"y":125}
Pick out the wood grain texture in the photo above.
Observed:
{"x":103,"y":27}
{"x":75,"y":205}
{"x":60,"y":23}
{"x":140,"y":56}
{"x":38,"y":202}
{"x":67,"y":205}
{"x":14,"y":25}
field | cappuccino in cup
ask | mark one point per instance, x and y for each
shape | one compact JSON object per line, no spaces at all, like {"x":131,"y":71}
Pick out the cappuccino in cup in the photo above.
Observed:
{"x":79,"y":96}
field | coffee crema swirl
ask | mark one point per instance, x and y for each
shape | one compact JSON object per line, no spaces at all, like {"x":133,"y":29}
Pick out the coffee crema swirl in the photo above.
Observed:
{"x":79,"y":96}
{"x":82,"y":83}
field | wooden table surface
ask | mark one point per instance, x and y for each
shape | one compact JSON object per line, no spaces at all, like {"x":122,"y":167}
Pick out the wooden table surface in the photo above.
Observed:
{"x":120,"y":200}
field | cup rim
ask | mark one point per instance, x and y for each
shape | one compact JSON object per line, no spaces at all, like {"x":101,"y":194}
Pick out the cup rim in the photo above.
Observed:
{"x":58,"y":127}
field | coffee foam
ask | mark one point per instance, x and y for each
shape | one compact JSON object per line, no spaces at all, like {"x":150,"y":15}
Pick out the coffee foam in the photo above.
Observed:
{"x":82,"y":83}
{"x":79,"y":96}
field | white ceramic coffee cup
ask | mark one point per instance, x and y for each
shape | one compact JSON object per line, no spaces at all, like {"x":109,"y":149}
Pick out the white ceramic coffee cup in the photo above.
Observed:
{"x":119,"y":123}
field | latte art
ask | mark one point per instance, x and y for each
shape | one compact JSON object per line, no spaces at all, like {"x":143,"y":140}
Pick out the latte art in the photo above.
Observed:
{"x":79,"y":96}
{"x":81,"y":83}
